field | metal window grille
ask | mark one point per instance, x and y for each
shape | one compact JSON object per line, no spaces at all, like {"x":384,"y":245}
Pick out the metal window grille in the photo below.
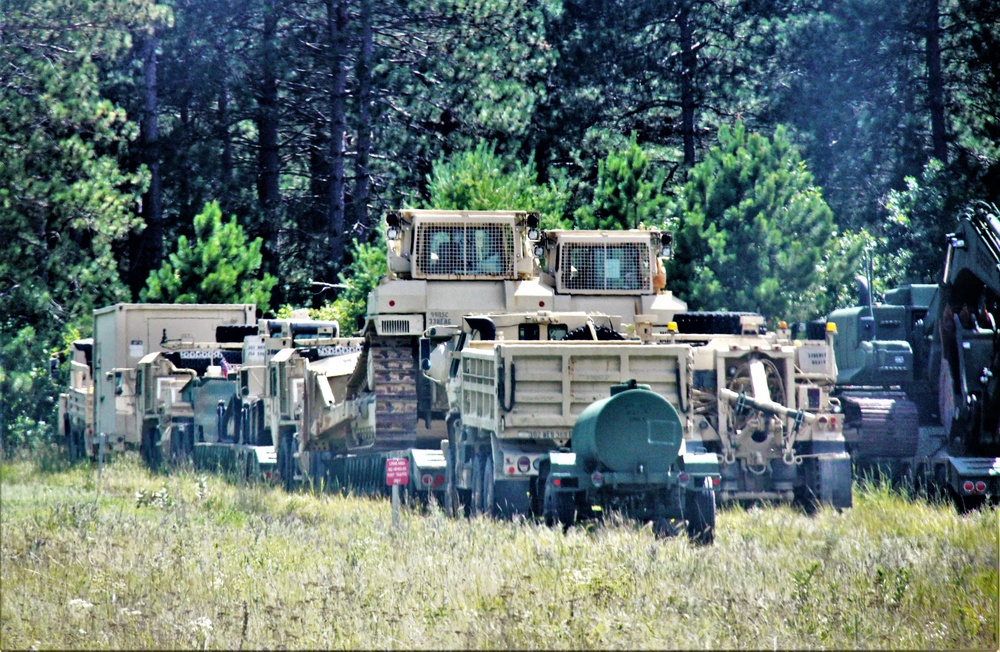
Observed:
{"x":605,"y":267}
{"x":456,"y":248}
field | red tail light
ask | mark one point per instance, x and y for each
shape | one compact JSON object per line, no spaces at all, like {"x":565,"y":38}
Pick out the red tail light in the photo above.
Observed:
{"x":981,"y":487}
{"x":967,"y":486}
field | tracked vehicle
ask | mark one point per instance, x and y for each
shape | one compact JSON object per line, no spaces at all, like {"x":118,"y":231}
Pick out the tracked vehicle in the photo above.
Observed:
{"x":610,"y":272}
{"x":919,"y":372}
{"x":441,"y":265}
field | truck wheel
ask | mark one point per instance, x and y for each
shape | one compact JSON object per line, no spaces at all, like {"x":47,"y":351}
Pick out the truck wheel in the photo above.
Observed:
{"x":450,"y":491}
{"x":286,"y":461}
{"x":152,"y":454}
{"x":699,"y":511}
{"x":76,"y":446}
{"x":490,"y":507}
{"x":476,"y":499}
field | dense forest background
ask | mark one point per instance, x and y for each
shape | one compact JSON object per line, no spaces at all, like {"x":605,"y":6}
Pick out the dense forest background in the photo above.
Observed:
{"x":149,"y":146}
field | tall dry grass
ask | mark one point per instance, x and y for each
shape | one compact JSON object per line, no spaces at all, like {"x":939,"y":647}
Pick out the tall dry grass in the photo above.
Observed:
{"x":135,"y":560}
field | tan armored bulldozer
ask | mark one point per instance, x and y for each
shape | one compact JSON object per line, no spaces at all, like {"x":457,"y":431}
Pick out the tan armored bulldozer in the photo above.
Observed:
{"x":441,"y":265}
{"x":611,"y":272}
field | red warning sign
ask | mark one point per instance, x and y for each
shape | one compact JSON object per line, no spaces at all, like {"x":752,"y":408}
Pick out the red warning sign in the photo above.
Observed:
{"x":397,"y":471}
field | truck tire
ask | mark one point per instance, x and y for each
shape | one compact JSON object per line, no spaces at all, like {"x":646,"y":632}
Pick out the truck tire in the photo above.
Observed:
{"x":286,"y":461}
{"x":152,"y":454}
{"x":699,"y":512}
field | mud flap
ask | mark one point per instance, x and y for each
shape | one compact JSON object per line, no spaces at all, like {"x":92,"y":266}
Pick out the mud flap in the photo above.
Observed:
{"x":834,"y":480}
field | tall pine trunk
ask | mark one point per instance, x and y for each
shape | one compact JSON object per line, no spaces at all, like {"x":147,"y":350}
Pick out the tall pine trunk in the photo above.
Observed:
{"x":146,"y":248}
{"x":268,"y":155}
{"x":689,"y":60}
{"x":935,"y":82}
{"x":364,"y":74}
{"x":337,"y":26}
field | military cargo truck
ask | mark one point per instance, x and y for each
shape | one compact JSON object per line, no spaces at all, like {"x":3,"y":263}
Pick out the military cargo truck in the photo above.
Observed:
{"x":76,"y":404}
{"x":123,"y":334}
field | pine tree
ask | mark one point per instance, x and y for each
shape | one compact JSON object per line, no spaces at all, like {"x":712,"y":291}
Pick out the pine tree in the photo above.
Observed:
{"x":219,"y":266}
{"x":753,"y":231}
{"x":480,"y":179}
{"x":627,"y":194}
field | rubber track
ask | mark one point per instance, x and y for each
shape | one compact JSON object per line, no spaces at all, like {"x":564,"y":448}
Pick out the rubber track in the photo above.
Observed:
{"x":395,"y":372}
{"x":889,"y":424}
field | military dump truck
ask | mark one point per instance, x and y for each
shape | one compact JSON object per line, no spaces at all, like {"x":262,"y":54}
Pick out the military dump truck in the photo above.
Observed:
{"x":123,"y":334}
{"x":516,"y":385}
{"x":628,"y":454}
{"x":919,"y":373}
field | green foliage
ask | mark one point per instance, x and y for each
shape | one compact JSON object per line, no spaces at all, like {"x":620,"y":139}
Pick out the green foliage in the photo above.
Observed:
{"x":27,"y":393}
{"x":481,"y":179}
{"x":753,"y":231}
{"x":360,"y":277}
{"x":67,"y":200}
{"x":919,"y":216}
{"x":219,"y":266}
{"x":628,"y":193}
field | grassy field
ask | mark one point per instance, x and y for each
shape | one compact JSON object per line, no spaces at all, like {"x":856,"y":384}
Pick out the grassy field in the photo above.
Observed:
{"x":134,"y":560}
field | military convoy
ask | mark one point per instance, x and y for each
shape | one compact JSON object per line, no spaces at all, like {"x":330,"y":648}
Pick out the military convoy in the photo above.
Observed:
{"x":486,"y":359}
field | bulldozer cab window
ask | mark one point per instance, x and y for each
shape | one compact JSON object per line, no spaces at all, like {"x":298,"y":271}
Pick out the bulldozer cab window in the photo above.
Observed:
{"x":528,"y":332}
{"x":444,"y":250}
{"x":479,"y":249}
{"x":558,"y":331}
{"x":604,"y":267}
{"x":487,"y":249}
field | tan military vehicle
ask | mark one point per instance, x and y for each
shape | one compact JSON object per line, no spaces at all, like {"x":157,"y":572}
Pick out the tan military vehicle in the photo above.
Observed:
{"x":610,"y":272}
{"x":104,"y":367}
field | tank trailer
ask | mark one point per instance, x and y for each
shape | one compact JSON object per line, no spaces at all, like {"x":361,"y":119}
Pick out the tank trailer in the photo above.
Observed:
{"x":628,"y":454}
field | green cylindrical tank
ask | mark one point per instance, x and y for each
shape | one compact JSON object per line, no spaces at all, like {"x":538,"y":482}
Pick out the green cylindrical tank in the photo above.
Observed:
{"x":631,"y":427}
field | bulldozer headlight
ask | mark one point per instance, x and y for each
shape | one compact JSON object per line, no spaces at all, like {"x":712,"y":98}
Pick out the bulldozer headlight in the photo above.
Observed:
{"x":597,"y":479}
